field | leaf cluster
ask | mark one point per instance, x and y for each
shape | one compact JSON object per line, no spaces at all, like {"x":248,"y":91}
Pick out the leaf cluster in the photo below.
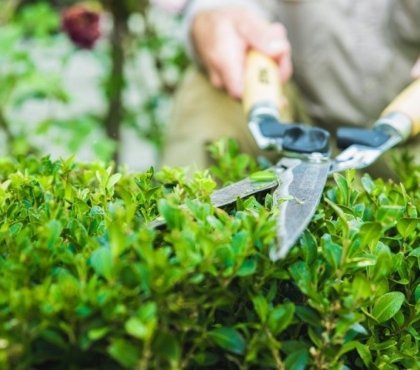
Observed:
{"x":85,"y":282}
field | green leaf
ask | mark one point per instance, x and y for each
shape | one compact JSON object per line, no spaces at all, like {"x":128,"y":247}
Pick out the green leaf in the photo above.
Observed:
{"x":407,"y":226}
{"x":15,"y":228}
{"x":308,"y":315}
{"x":361,"y":287}
{"x":384,"y":262}
{"x":370,"y":232}
{"x":364,"y":353}
{"x":206,"y":359}
{"x":264,"y":176}
{"x":399,"y":318}
{"x":332,"y":251}
{"x":309,"y":247}
{"x":368,"y":184}
{"x":261,"y":307}
{"x":387,"y":306}
{"x":167,"y":346}
{"x":240,"y":241}
{"x":297,"y":360}
{"x":229,"y":339}
{"x":388,"y":214}
{"x":417,"y":293}
{"x":343,"y":189}
{"x":54,"y":228}
{"x":281,"y":317}
{"x":361,"y":349}
{"x":172,"y":214}
{"x":137,"y":328}
{"x":113,"y":180}
{"x":124,"y":352}
{"x":101,"y":261}
{"x":54,"y":337}
{"x":301,"y":274}
{"x":248,"y":267}
{"x":98,"y":333}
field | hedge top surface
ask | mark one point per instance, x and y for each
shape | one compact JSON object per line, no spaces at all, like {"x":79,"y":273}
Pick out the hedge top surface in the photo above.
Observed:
{"x":85,"y":283}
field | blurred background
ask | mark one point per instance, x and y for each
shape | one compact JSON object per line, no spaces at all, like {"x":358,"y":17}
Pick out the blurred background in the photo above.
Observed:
{"x":89,"y":78}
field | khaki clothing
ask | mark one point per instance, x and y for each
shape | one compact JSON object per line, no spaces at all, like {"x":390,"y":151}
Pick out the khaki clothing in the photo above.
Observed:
{"x":350,"y":59}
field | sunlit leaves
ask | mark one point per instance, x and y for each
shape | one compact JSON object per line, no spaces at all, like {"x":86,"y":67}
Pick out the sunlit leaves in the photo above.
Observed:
{"x":81,"y":260}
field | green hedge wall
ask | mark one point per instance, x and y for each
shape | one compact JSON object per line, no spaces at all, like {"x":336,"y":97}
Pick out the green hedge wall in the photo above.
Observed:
{"x":85,"y":283}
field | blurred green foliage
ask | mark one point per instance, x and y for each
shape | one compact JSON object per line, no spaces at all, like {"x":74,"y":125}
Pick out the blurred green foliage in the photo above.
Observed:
{"x":23,"y":82}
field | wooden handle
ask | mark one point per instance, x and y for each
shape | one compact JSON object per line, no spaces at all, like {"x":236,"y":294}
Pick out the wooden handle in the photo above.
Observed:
{"x":262,"y":82}
{"x":408,"y":102}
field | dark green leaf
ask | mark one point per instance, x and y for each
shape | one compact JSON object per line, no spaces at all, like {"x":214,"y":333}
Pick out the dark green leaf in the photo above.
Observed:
{"x":281,"y":317}
{"x":308,"y":315}
{"x":417,"y":293}
{"x":167,"y":346}
{"x":364,"y":353}
{"x":309,"y":247}
{"x":124,"y":352}
{"x":248,"y":267}
{"x":229,"y":339}
{"x":297,"y":360}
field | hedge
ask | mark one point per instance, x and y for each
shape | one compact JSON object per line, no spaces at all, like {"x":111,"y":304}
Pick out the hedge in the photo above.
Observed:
{"x":86,"y":283}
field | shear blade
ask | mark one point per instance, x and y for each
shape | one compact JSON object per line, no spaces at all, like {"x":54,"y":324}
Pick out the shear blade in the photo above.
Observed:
{"x":297,"y":196}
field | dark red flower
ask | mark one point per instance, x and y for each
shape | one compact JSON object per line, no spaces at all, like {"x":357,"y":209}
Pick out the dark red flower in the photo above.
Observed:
{"x":81,"y":24}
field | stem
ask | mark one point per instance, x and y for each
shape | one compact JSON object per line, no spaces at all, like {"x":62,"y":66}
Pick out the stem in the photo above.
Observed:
{"x":144,"y":361}
{"x":274,"y":352}
{"x":115,"y":112}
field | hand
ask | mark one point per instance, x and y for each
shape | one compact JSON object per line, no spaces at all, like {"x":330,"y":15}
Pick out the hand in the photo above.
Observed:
{"x":222,"y":38}
{"x":415,"y":72}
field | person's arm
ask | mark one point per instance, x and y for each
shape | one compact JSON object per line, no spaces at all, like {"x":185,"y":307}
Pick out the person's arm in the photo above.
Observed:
{"x":221,"y":32}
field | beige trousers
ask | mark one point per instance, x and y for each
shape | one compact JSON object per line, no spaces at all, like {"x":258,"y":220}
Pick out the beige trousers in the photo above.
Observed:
{"x":202,"y":114}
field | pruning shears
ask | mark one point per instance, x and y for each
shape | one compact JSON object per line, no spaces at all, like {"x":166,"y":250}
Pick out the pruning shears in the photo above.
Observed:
{"x":302,"y":172}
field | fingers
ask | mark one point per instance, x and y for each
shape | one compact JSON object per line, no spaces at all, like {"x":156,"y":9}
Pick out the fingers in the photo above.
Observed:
{"x":222,"y":51}
{"x":227,"y":72}
{"x":229,"y":62}
{"x":222,"y":39}
{"x":271,"y":39}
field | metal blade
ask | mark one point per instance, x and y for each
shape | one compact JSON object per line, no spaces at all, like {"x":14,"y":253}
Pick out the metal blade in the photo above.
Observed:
{"x":229,"y":194}
{"x":241,"y":189}
{"x":297,"y":196}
